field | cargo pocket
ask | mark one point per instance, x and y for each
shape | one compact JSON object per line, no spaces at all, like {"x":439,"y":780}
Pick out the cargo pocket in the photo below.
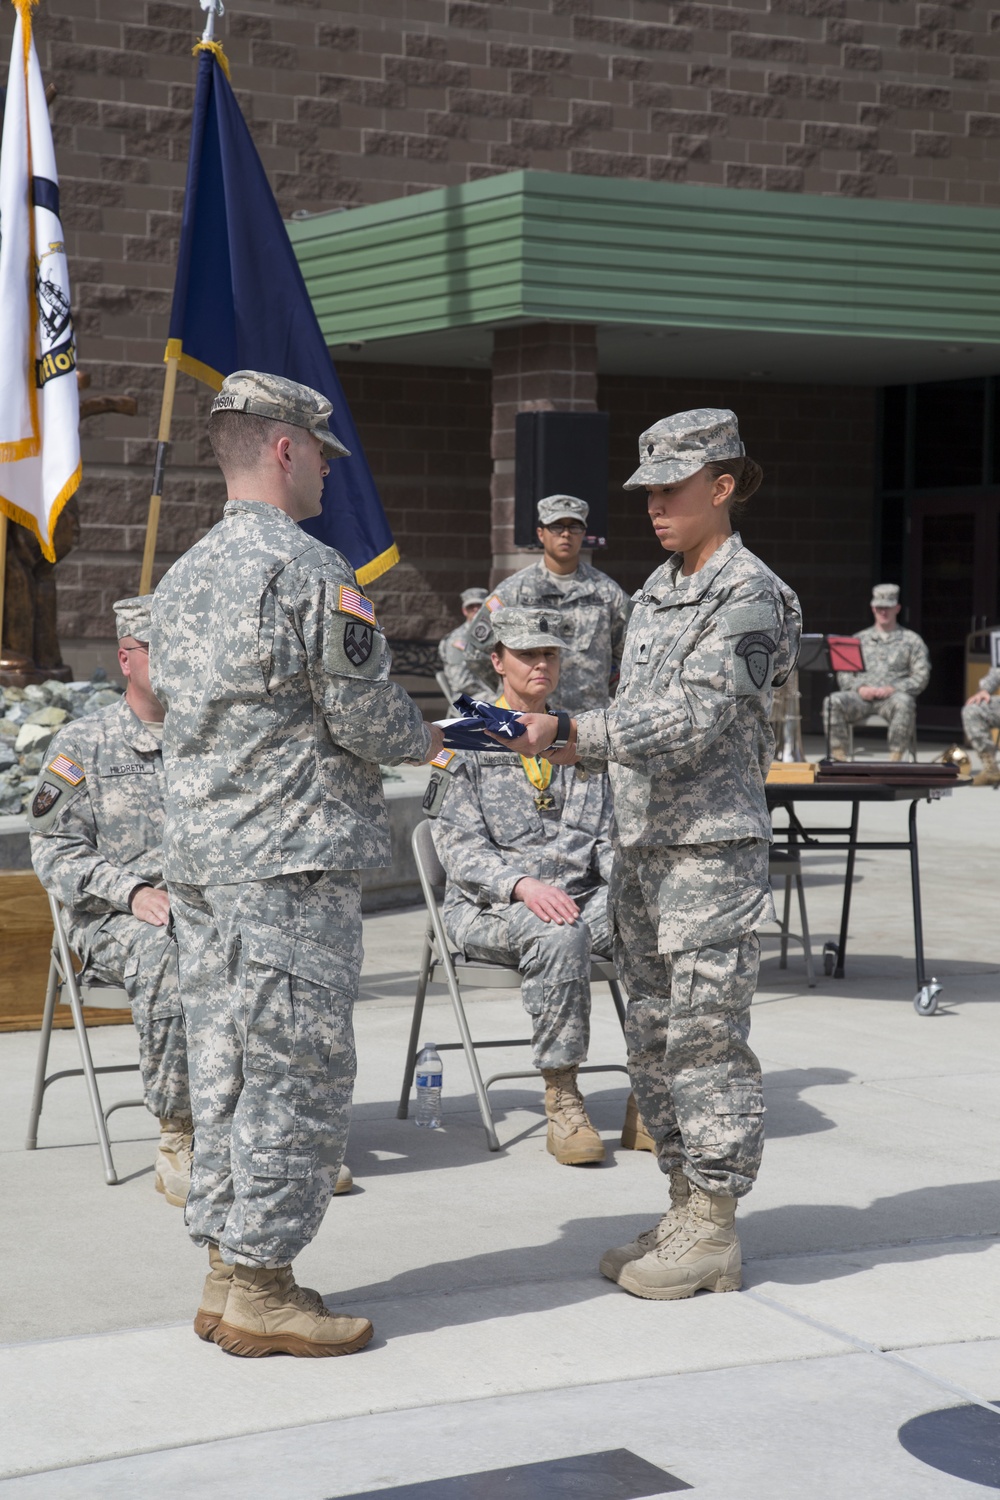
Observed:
{"x":298,"y":998}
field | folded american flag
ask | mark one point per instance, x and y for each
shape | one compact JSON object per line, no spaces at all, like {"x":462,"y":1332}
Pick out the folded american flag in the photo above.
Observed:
{"x":470,"y":731}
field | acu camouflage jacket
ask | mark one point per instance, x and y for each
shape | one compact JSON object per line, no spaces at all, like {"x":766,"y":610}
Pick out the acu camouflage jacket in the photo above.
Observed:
{"x":275,"y":679}
{"x":96,"y":817}
{"x":687,"y":740}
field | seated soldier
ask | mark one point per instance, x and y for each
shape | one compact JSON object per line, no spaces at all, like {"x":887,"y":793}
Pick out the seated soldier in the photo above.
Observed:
{"x":96,"y":822}
{"x":897,"y":669}
{"x":455,"y":666}
{"x":980,"y":716}
{"x":526,"y":849}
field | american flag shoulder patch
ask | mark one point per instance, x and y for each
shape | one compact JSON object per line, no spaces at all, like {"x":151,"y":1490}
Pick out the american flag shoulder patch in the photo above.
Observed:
{"x":444,"y":759}
{"x":352,"y":602}
{"x":493,"y":603}
{"x":68,"y":770}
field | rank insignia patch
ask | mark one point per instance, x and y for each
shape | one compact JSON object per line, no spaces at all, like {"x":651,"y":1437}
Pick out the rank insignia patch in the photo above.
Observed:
{"x":45,"y":799}
{"x":358,"y":641}
{"x":351,"y":602}
{"x":68,"y":770}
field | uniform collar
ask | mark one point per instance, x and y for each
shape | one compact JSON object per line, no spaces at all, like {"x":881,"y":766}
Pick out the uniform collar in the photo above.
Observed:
{"x":261,"y":512}
{"x":134,"y":732}
{"x":584,"y":575}
{"x":689,"y":590}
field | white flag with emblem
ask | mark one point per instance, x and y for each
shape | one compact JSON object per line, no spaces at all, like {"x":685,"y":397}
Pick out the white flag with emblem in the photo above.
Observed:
{"x":39,"y":403}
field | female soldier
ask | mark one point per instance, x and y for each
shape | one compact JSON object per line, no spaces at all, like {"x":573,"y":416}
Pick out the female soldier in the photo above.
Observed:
{"x":688,"y":743}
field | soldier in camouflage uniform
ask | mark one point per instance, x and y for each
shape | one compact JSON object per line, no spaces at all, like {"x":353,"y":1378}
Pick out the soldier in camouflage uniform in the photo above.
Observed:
{"x":452,"y":651}
{"x":526,"y":847}
{"x":688,"y":744}
{"x":980,"y":716}
{"x":897,"y":669}
{"x":275,"y":678}
{"x":592,"y":609}
{"x":96,"y":821}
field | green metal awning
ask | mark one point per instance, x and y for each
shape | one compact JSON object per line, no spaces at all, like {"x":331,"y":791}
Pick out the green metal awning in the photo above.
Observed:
{"x":530,"y":246}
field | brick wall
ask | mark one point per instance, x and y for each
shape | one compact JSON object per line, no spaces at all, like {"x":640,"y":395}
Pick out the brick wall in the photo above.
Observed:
{"x":884,"y":98}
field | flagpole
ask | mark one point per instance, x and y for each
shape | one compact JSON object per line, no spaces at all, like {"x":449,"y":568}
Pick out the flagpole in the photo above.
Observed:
{"x":214,"y":8}
{"x":3,"y":569}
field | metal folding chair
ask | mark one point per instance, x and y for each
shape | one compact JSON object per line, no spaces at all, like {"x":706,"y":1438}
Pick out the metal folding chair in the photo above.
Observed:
{"x":63,"y":977}
{"x":437,"y":951}
{"x":786,"y":864}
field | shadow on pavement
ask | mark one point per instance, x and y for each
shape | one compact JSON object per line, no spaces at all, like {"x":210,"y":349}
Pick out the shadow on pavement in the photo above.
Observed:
{"x":563,"y":1272}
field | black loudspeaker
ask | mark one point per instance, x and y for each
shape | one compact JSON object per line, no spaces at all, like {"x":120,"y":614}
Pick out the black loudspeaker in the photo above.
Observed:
{"x":560,"y":453}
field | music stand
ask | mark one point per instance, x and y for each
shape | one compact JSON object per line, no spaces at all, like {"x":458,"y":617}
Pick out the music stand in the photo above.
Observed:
{"x":830,"y":654}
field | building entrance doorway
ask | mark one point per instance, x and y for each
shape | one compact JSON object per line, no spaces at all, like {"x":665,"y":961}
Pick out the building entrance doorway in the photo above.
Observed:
{"x":954,"y":588}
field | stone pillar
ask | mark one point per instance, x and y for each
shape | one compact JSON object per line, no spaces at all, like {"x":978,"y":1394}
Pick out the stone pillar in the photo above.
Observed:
{"x":536,"y":367}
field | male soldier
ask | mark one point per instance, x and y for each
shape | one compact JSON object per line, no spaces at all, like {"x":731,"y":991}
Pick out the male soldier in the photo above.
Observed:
{"x":96,"y":822}
{"x":455,"y":668}
{"x":979,"y":716}
{"x":592,"y":610}
{"x":897,"y":669}
{"x":275,"y":679}
{"x":526,"y":847}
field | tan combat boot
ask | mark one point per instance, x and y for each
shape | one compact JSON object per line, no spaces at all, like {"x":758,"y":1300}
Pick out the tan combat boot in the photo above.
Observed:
{"x":344,"y":1181}
{"x":895,"y":755}
{"x":572,"y":1139}
{"x":703,"y":1254}
{"x":635,"y":1136}
{"x":990,"y":773}
{"x":213,"y":1296}
{"x":838,"y":754}
{"x":172,"y":1169}
{"x":614,"y":1261}
{"x":266,"y":1313}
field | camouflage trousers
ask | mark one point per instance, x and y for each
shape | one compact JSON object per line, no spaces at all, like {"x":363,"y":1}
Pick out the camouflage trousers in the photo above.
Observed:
{"x":555,"y":964}
{"x":269,"y":974}
{"x":977,"y":721}
{"x":899,"y":711}
{"x":685,"y":949}
{"x":143,"y":959}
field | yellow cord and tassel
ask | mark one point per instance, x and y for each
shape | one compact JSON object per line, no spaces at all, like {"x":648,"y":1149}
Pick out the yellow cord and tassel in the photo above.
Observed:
{"x":216,"y":50}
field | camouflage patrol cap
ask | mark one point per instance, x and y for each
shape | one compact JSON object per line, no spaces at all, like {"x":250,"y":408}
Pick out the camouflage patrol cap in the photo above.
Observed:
{"x":526,"y":629}
{"x":885,"y":595}
{"x":132,"y":617}
{"x":473,"y":596}
{"x":677,"y":447}
{"x":562,"y":508}
{"x":281,"y":400}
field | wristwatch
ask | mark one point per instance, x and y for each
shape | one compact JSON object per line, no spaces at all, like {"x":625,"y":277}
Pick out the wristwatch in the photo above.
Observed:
{"x":564,"y":728}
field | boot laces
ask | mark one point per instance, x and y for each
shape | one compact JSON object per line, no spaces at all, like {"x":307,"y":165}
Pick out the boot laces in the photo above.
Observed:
{"x":568,"y":1103}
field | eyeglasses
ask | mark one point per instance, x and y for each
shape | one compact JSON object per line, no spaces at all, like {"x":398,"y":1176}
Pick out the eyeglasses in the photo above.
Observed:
{"x":566,"y":528}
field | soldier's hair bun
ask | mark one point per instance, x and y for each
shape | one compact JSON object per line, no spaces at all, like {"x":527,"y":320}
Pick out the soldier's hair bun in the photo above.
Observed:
{"x":747,"y":473}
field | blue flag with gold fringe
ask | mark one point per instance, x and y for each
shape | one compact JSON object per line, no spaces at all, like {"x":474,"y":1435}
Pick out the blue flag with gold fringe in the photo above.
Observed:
{"x":240,"y":303}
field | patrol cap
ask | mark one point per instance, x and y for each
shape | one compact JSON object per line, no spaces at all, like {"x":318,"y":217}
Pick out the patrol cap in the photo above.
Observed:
{"x":885,"y":595}
{"x":526,"y":629}
{"x":132,"y":617}
{"x":281,"y":400}
{"x":473,"y":596}
{"x":562,"y":508}
{"x":677,"y":447}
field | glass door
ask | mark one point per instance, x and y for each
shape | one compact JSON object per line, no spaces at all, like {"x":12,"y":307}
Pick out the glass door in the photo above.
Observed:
{"x":953,"y":586}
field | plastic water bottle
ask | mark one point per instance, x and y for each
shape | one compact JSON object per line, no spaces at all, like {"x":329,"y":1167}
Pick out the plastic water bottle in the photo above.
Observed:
{"x":429,"y":1087}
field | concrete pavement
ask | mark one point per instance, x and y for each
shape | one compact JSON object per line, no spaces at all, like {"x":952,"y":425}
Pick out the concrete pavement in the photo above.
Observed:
{"x":871,"y":1245}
